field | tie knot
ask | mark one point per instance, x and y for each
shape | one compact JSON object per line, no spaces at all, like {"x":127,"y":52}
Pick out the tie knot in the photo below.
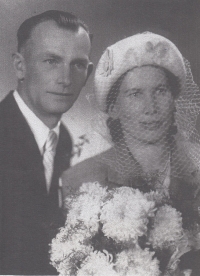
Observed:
{"x":51,"y":142}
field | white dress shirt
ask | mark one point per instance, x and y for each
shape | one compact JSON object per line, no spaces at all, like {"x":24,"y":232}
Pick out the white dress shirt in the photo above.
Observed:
{"x":38,"y":128}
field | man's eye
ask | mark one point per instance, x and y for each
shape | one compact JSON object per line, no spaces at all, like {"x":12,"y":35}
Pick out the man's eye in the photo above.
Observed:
{"x":134,"y":94}
{"x":80,"y":65}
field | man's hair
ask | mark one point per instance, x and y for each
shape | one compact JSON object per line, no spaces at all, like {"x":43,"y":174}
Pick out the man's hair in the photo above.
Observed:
{"x":63,"y":19}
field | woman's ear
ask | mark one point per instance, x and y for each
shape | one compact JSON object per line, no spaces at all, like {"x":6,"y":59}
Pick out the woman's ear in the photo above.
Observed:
{"x":114,"y":110}
{"x":19,"y":65}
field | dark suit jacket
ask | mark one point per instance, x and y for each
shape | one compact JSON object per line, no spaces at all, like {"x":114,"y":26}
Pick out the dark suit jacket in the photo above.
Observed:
{"x":29,"y":216}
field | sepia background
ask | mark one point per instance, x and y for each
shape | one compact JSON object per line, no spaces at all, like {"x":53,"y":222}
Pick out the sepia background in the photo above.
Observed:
{"x":109,"y":21}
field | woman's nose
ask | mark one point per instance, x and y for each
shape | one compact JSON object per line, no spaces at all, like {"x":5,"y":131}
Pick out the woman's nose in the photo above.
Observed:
{"x":150,"y":105}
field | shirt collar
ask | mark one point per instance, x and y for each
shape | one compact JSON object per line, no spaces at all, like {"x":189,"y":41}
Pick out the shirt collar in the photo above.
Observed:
{"x":38,"y":128}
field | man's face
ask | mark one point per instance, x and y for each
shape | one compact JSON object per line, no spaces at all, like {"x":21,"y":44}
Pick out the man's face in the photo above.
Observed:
{"x":56,"y":62}
{"x":145,"y":104}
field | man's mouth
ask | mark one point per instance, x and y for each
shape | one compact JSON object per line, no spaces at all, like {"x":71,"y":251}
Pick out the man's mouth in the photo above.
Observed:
{"x":62,"y":94}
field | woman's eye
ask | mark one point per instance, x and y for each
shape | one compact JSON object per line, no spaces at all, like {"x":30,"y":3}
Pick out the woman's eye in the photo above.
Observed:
{"x":161,"y":90}
{"x":51,"y":61}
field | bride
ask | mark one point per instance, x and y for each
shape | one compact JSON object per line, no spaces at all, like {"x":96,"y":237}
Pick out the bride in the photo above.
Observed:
{"x":145,"y":87}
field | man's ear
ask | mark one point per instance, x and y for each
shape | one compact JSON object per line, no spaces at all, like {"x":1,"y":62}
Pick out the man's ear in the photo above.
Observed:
{"x":89,"y":71}
{"x":114,"y":110}
{"x":19,"y":65}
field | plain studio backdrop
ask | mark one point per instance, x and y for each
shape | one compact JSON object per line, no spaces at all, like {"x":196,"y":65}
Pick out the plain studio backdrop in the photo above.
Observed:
{"x":109,"y":21}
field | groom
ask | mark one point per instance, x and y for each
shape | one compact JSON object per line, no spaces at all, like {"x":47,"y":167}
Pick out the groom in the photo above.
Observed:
{"x":52,"y":65}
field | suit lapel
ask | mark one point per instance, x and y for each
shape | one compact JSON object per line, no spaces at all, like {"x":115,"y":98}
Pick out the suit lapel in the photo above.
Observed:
{"x":19,"y":129}
{"x":64,"y":150}
{"x":61,"y":162}
{"x":26,"y":157}
{"x":63,"y":156}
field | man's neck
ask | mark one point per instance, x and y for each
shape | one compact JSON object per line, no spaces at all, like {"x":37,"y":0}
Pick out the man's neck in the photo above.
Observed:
{"x":50,"y":120}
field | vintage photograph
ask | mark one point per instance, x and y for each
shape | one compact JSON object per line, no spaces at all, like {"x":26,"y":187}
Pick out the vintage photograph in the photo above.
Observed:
{"x":100,"y":137}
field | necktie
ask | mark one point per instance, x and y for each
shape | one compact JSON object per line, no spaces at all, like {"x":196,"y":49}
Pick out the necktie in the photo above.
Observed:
{"x":48,"y":157}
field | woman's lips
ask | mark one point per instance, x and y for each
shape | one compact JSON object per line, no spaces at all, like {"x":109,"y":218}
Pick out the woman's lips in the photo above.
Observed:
{"x":151,"y":125}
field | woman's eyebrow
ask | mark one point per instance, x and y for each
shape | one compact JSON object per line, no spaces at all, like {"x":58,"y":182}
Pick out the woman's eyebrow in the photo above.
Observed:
{"x":132,"y":90}
{"x":166,"y":86}
{"x":162,"y":85}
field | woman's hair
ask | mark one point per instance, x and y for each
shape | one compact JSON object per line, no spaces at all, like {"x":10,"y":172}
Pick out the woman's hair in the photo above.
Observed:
{"x":114,"y":125}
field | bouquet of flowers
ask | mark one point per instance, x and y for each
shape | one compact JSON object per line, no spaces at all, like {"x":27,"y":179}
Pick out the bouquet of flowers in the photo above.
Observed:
{"x":120,"y":232}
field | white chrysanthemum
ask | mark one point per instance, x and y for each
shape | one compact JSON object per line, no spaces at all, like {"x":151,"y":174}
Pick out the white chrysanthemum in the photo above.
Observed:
{"x":137,"y":262}
{"x":167,"y":229}
{"x":86,"y":206}
{"x":94,"y":189}
{"x":69,"y":266}
{"x":155,"y":196}
{"x":125,"y":215}
{"x":68,"y":248}
{"x":97,"y":264}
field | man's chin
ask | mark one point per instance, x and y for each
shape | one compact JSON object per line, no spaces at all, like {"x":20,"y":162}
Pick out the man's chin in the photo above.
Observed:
{"x":61,"y":109}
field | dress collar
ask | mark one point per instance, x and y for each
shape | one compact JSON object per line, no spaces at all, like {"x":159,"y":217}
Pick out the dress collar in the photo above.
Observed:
{"x":123,"y":169}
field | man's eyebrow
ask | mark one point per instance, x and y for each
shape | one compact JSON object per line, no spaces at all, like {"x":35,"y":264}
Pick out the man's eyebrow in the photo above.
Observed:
{"x":83,"y":60}
{"x":52,"y":55}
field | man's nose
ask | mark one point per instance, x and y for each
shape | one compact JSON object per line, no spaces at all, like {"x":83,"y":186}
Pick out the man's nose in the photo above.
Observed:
{"x":65,"y":75}
{"x":150,"y":105}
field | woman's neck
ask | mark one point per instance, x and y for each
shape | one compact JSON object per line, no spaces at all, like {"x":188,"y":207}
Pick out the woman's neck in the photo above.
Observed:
{"x":151,"y":157}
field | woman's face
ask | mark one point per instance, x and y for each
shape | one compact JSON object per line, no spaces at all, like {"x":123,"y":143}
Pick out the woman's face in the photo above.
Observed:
{"x":145,"y":104}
